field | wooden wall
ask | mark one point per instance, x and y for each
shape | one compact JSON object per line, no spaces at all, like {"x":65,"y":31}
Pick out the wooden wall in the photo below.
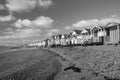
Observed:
{"x":114,"y":38}
{"x":114,"y":35}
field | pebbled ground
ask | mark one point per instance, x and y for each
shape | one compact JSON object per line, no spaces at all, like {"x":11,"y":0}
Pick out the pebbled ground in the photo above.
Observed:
{"x":62,"y":63}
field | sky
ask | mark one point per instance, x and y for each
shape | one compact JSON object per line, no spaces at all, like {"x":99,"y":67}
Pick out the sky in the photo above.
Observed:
{"x":26,"y":21}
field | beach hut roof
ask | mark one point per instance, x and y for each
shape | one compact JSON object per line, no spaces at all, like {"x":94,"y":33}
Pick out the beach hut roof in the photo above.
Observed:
{"x":47,"y":39}
{"x":60,"y":35}
{"x":111,"y":24}
{"x":66,"y":35}
{"x":78,"y":31}
{"x":97,"y":27}
{"x":52,"y":37}
{"x":86,"y":30}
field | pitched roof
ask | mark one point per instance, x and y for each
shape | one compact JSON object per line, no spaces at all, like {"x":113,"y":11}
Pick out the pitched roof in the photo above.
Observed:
{"x":111,"y":24}
{"x":66,"y":35}
{"x":47,"y":39}
{"x":97,"y":27}
{"x":59,"y":36}
{"x":78,"y":31}
{"x":86,"y":30}
{"x":52,"y":37}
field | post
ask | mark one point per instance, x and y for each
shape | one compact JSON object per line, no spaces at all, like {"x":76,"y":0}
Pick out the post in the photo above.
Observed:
{"x":118,"y":33}
{"x":104,"y":34}
{"x":101,"y":36}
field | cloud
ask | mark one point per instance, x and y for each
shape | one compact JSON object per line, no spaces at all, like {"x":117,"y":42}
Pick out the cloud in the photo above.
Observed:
{"x":8,"y":31}
{"x":28,"y":28}
{"x":68,"y":27}
{"x":84,"y":23}
{"x":7,"y":18}
{"x":2,"y":7}
{"x":23,"y":23}
{"x":95,"y":22}
{"x":45,"y":3}
{"x":41,"y":22}
{"x":21,"y":33}
{"x":20,"y":5}
{"x":27,"y":5}
{"x":108,"y":20}
{"x":52,"y":32}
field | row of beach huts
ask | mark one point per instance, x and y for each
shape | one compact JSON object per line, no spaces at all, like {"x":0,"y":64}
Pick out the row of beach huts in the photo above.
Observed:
{"x":97,"y":35}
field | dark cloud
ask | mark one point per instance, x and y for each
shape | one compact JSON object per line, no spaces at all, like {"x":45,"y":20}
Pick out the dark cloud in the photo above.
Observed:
{"x":3,"y":2}
{"x":4,"y":12}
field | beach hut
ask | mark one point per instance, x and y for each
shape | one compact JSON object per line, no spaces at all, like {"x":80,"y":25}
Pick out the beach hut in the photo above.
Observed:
{"x":73,"y":40}
{"x":76,"y":32}
{"x":97,"y":33}
{"x":52,"y":41}
{"x":86,"y":36}
{"x":68,"y":39}
{"x":76,"y":37}
{"x":43,"y":43}
{"x":40,"y":44}
{"x":58,"y":40}
{"x":112,"y":33}
{"x":63,"y":40}
{"x":48,"y":43}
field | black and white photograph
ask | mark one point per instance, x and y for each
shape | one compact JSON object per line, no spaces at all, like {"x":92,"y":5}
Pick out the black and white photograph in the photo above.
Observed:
{"x":59,"y":39}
